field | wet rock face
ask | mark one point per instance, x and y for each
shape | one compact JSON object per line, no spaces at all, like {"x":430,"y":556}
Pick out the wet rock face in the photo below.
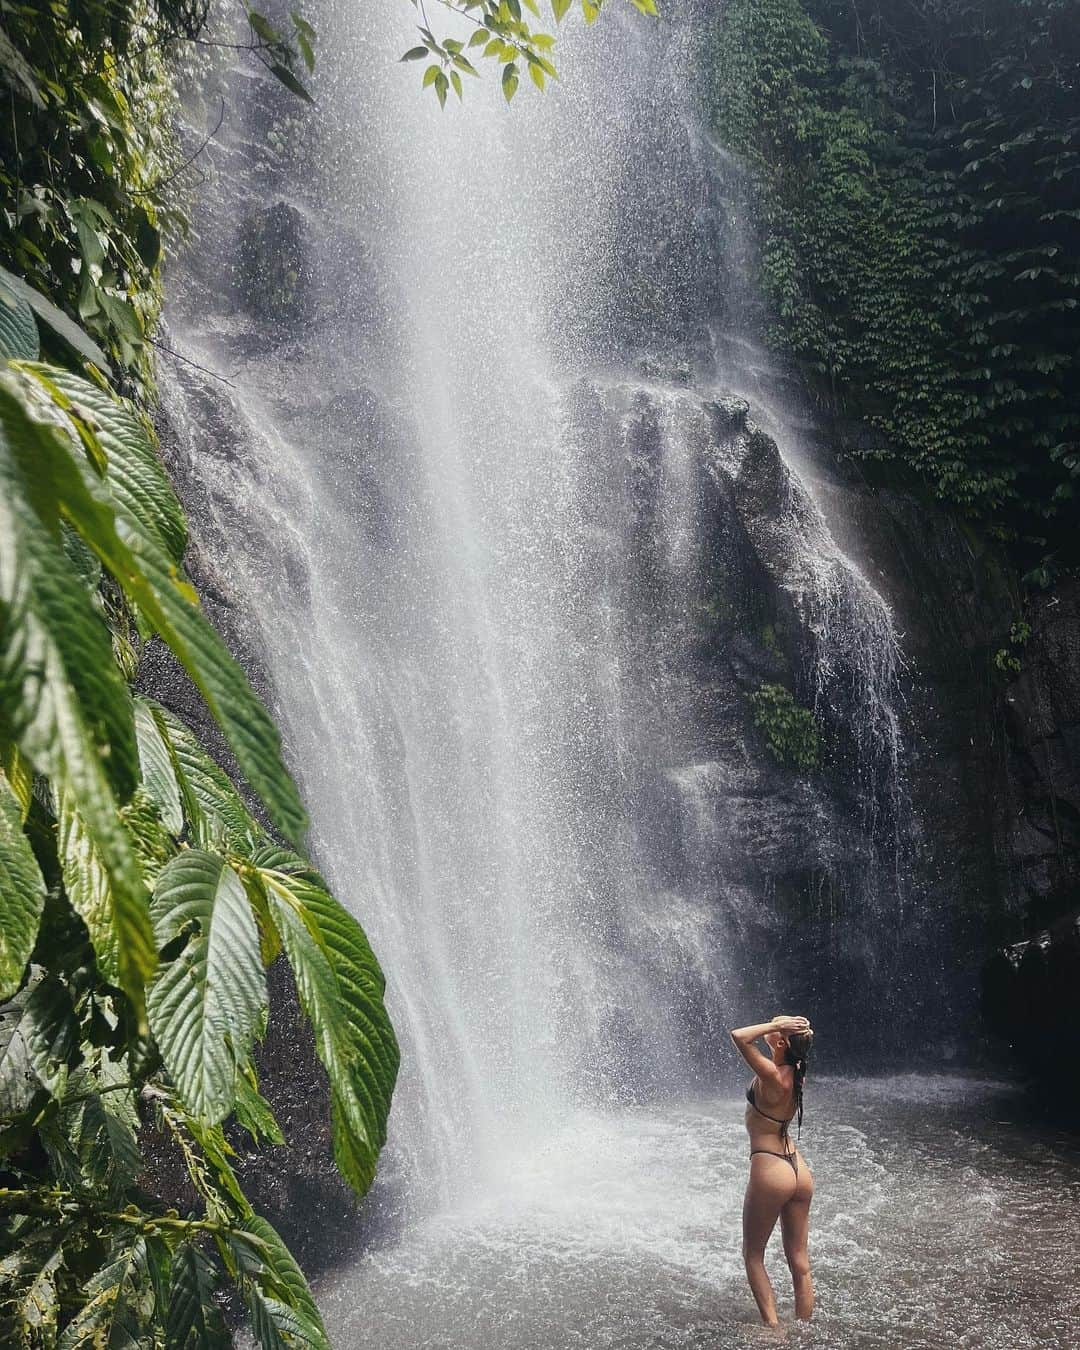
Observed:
{"x":1029,"y":998}
{"x":1042,"y":718}
{"x":271,"y":270}
{"x":994,"y":761}
{"x":736,"y":584}
{"x":1030,"y":987}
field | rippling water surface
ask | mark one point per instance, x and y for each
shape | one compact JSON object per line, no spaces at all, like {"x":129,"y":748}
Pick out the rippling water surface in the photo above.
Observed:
{"x":943,"y":1217}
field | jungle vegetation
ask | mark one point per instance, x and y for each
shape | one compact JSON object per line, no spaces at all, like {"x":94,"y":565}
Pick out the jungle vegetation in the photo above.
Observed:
{"x":915,"y":169}
{"x":142,"y":893}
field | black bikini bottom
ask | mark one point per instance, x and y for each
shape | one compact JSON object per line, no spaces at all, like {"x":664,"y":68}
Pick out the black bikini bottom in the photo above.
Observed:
{"x":792,"y":1158}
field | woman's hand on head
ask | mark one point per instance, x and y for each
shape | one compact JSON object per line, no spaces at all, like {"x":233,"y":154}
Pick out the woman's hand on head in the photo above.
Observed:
{"x":791,"y":1026}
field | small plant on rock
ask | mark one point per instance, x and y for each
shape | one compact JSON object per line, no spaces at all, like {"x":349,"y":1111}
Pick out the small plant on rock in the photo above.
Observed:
{"x":791,"y":732}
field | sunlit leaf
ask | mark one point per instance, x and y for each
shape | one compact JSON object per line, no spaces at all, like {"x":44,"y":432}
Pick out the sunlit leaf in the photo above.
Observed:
{"x":205,"y":1002}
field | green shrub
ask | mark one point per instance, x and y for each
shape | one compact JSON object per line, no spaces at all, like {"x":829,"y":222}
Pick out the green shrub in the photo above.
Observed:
{"x":791,"y":732}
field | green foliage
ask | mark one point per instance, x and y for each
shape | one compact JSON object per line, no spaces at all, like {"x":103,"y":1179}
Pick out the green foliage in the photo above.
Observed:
{"x":84,"y":151}
{"x":918,"y":183}
{"x":88,"y":165}
{"x":140,"y":899}
{"x":1007,"y":660}
{"x":791,"y":732}
{"x":499,"y":35}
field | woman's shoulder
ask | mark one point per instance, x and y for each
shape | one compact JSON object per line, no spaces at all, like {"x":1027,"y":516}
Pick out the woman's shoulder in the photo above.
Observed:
{"x":779,"y":1082}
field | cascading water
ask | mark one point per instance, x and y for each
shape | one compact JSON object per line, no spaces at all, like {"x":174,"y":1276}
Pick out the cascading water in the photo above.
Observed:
{"x":515,"y":553}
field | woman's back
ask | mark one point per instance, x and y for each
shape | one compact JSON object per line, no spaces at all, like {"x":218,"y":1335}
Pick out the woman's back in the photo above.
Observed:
{"x":769,"y":1112}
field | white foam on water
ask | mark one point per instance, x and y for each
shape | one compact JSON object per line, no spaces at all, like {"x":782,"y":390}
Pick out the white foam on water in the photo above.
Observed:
{"x":931,"y":1227}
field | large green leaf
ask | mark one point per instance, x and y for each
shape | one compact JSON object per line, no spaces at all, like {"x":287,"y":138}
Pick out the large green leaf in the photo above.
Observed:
{"x":56,"y":319}
{"x":285,"y":1304}
{"x":152,"y":581}
{"x":136,"y":477}
{"x":64,"y":701}
{"x":249,"y":730}
{"x":194,"y":1320}
{"x":153,"y":844}
{"x":361,"y":982}
{"x":38,"y":1032}
{"x":28,"y":1277}
{"x":159,"y":775}
{"x":101,"y":1135}
{"x":278,"y":1326}
{"x":117,"y":1300}
{"x":253,"y":1111}
{"x":204,"y":1004}
{"x":86,"y":881}
{"x":22,"y":893}
{"x":18,"y":331}
{"x":215,"y":814}
{"x":340,"y":988}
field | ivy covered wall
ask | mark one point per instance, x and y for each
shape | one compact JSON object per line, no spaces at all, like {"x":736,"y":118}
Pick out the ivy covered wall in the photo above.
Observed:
{"x":915,"y":167}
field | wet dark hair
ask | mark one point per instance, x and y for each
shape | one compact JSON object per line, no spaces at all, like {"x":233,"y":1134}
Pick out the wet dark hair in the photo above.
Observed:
{"x":798,"y":1052}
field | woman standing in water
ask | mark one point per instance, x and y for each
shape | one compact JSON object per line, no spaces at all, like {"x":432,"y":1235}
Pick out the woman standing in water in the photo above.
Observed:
{"x":780,"y":1186}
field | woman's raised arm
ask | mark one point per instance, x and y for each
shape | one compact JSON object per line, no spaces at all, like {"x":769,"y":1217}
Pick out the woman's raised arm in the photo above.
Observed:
{"x":743,"y":1039}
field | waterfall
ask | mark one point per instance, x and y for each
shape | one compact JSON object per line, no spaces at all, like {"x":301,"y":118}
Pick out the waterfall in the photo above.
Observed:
{"x":513,"y":532}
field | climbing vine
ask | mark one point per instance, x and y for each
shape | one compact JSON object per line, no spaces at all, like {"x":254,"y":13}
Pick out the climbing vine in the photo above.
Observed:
{"x":916,"y":173}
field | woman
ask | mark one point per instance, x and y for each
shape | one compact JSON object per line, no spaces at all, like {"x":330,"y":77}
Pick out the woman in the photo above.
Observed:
{"x":780,"y":1184}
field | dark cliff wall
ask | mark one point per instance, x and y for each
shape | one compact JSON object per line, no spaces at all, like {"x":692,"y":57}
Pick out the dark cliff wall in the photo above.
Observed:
{"x":993,"y":694}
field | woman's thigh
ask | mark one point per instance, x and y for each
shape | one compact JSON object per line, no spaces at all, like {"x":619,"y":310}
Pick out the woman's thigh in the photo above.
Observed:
{"x":795,"y":1214}
{"x":770,"y":1188}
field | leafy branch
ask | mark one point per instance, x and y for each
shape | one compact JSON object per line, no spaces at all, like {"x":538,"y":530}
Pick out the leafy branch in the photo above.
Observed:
{"x":502,"y":36}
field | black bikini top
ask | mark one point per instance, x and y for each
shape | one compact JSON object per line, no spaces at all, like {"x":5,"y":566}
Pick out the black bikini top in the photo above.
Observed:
{"x":775,"y":1119}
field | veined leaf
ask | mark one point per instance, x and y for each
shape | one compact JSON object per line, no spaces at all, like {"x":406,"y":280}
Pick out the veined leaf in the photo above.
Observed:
{"x":28,"y":1277}
{"x":65,"y":703}
{"x":252,"y":736}
{"x":57,"y":320}
{"x":86,"y":881}
{"x":19,"y":775}
{"x":38,"y":1031}
{"x":155,"y":585}
{"x":214,"y":811}
{"x":205,"y":1002}
{"x":253,"y":1111}
{"x":159,"y":776}
{"x":107,"y":1148}
{"x":194,"y":1320}
{"x":149,"y":838}
{"x":340,"y":987}
{"x":18,"y":331}
{"x":22,"y":893}
{"x":112,"y":1315}
{"x":136,"y":477}
{"x":279,"y":1277}
{"x":277,"y":1326}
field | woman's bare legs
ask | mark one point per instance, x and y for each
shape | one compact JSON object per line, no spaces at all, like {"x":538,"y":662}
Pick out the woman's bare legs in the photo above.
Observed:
{"x":795,"y":1227}
{"x":770,"y":1188}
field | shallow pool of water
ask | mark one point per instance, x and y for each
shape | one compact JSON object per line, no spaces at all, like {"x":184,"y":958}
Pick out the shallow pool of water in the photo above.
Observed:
{"x":942,"y":1217}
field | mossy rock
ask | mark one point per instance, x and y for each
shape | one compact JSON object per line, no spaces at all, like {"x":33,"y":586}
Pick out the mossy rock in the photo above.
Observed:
{"x":271,"y":266}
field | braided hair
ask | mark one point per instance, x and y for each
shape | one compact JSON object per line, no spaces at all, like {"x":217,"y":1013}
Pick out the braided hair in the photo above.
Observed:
{"x":798,"y":1052}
